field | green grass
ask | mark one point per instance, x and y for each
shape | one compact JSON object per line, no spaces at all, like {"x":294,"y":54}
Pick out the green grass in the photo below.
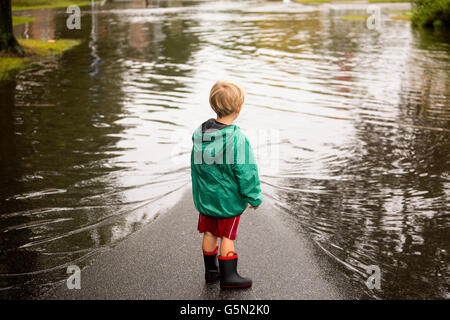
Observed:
{"x":375,"y":1}
{"x":21,"y":20}
{"x":312,"y":1}
{"x":329,"y":1}
{"x":47,"y":48}
{"x":18,"y":5}
{"x":9,"y":64}
{"x":402,"y":15}
{"x":34,"y":49}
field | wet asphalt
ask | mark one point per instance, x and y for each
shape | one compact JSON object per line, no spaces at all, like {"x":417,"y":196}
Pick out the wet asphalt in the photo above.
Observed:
{"x":164,"y":260}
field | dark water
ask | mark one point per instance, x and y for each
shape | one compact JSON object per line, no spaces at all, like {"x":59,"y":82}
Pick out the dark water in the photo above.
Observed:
{"x":95,"y":144}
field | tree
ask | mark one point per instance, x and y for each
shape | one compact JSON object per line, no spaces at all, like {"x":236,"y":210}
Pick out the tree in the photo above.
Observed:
{"x":8,"y":43}
{"x":431,"y":13}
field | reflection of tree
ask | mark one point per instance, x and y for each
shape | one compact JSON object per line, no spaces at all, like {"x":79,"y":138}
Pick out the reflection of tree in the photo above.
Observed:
{"x":69,"y":133}
{"x":429,"y":80}
{"x":287,"y":35}
{"x":388,"y":205}
{"x":360,"y":223}
{"x":67,"y":127}
{"x":43,"y":27}
{"x":308,"y":32}
{"x":11,"y":259}
{"x":9,"y":170}
{"x":169,"y":43}
{"x":340,"y":35}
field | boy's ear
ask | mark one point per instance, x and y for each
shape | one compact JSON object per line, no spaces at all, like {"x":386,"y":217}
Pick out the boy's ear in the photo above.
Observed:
{"x":238,"y":110}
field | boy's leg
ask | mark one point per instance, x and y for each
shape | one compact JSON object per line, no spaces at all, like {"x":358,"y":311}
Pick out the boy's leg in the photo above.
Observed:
{"x":209,"y":242}
{"x":228,"y":260}
{"x":209,"y":247}
{"x":226,"y":245}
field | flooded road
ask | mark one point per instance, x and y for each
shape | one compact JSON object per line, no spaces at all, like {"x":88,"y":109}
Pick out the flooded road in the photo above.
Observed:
{"x":94,"y":145}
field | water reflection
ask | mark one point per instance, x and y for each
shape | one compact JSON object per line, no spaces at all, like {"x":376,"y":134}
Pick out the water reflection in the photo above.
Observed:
{"x":386,"y":200}
{"x":78,"y":190}
{"x":91,"y":152}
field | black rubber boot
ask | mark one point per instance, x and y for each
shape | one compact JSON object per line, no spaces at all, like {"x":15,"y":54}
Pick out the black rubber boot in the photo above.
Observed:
{"x":229,"y":278}
{"x":211,"y":269}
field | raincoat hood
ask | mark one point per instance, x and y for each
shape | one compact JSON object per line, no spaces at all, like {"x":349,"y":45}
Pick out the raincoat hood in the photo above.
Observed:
{"x":223,"y":170}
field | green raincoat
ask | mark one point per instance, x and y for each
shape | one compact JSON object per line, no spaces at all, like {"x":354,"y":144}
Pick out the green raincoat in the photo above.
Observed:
{"x":224,"y":173}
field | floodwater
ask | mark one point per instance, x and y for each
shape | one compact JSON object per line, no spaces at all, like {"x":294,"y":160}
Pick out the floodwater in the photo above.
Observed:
{"x":351,"y":127}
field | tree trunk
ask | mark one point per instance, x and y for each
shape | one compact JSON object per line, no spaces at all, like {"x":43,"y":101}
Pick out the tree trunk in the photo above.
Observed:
{"x":8,"y":43}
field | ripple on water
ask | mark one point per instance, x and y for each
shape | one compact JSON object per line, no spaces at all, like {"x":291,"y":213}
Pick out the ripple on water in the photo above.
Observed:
{"x":101,"y":138}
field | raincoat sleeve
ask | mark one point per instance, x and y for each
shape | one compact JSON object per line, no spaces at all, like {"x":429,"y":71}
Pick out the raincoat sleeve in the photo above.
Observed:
{"x":246,"y":173}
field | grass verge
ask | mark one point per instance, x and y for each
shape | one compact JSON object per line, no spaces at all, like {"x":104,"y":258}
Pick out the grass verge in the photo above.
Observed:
{"x":402,"y":15}
{"x":329,"y":1}
{"x":33,"y":49}
{"x":47,"y":48}
{"x":19,"y":5}
{"x":21,"y":20}
{"x":398,"y":15}
{"x":9,"y":64}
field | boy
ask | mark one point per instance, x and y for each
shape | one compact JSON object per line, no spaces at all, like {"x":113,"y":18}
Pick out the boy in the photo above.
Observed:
{"x":224,"y":181}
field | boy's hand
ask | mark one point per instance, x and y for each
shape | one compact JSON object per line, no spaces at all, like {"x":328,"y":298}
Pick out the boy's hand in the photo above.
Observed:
{"x":254,"y":208}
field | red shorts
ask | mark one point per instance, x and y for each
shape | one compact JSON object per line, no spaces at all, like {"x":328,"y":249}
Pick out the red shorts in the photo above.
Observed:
{"x":220,"y":227}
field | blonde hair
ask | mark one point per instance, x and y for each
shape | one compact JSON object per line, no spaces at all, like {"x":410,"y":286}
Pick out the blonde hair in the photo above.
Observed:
{"x":226,"y":97}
